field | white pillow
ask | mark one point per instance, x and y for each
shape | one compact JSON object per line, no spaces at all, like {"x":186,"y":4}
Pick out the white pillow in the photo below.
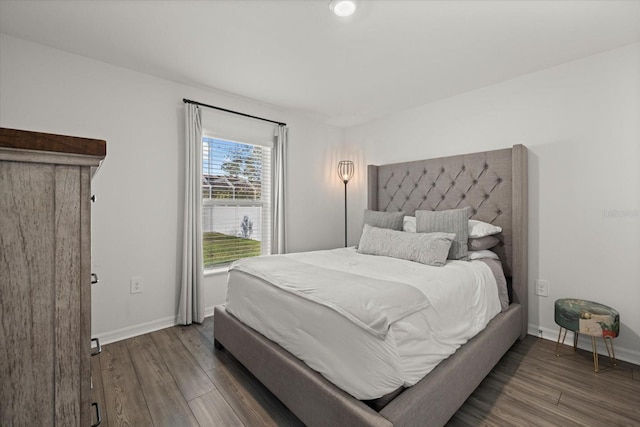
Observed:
{"x":481,"y":229}
{"x":409,"y":224}
{"x":483,"y":254}
{"x":476,"y":228}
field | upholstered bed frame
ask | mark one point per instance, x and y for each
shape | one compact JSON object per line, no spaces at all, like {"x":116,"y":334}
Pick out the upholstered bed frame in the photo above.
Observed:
{"x":494,"y":185}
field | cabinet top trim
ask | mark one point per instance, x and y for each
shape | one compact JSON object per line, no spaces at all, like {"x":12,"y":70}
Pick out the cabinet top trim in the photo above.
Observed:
{"x":39,"y":141}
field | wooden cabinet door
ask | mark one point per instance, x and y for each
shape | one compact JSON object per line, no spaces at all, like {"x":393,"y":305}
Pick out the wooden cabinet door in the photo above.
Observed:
{"x":27,"y":288}
{"x":44,"y":294}
{"x":67,"y":319}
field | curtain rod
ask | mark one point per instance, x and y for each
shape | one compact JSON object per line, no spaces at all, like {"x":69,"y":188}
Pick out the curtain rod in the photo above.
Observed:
{"x":188,"y":101}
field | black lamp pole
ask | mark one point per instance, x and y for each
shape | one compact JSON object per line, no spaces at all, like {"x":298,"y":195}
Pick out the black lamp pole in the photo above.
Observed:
{"x":345,"y":212}
{"x":345,"y":172}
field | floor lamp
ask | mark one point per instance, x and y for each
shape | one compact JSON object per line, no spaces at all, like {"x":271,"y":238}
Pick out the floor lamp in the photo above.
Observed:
{"x":345,"y":172}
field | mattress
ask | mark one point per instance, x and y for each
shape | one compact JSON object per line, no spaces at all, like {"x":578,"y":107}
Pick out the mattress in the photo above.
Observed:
{"x":462,"y":297}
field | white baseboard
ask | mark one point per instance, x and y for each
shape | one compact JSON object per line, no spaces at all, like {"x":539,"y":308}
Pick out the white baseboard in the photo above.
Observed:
{"x":142,"y":328}
{"x":584,"y":343}
{"x":208,"y":312}
{"x":135,"y":330}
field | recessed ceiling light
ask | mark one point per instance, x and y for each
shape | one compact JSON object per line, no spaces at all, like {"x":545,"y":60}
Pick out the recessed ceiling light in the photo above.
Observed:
{"x":343,"y":8}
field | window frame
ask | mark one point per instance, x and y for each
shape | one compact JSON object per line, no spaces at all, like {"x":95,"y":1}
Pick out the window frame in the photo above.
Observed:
{"x":265,"y":202}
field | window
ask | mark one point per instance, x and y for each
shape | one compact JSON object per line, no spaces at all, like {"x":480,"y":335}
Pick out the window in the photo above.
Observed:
{"x":236,"y":201}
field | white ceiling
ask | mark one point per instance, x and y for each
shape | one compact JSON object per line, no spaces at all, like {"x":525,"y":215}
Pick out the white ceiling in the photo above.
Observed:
{"x":390,"y":56}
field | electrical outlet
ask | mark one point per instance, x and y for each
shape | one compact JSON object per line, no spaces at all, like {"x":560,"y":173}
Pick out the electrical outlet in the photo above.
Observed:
{"x":137,"y":283}
{"x":542,"y":288}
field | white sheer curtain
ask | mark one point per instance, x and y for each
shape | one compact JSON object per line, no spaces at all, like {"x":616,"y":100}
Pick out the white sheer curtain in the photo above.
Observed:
{"x":191,"y":308}
{"x":278,"y":242}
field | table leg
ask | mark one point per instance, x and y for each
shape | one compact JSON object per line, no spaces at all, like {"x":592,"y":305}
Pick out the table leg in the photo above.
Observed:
{"x":612,"y":354}
{"x":558,"y":343}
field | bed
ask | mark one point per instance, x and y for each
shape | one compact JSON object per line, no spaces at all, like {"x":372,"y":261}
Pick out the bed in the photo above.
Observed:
{"x":494,"y":185}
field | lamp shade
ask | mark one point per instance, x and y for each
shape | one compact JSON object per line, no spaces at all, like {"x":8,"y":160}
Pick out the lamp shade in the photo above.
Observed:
{"x":345,"y":170}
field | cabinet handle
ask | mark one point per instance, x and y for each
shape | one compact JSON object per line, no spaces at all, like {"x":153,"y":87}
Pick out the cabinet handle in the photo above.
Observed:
{"x":98,"y":347}
{"x":93,"y":198}
{"x":98,"y":415}
{"x":94,"y":278}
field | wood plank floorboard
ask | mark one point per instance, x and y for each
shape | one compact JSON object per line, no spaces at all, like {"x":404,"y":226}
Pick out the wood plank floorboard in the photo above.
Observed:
{"x":200,"y":347}
{"x":470,"y":417}
{"x":188,"y":375}
{"x":511,"y":383}
{"x":253,"y":403}
{"x":599,"y":411}
{"x":166,"y":403}
{"x":212,"y":410}
{"x":490,"y":414}
{"x":124,"y":403}
{"x":525,"y":408}
{"x":175,"y":377}
{"x":591,"y":396}
{"x":206,"y":328}
{"x":568,"y":379}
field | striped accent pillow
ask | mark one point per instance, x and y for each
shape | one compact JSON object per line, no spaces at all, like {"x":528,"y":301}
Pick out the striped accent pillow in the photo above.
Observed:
{"x":450,"y":221}
{"x":390,"y":220}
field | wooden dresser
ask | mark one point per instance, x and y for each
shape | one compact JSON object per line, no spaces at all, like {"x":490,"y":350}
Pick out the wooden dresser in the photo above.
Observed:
{"x":45,"y":278}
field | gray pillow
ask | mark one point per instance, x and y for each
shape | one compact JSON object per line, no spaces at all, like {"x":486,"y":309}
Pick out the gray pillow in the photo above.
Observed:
{"x":425,"y":248}
{"x":481,"y":243}
{"x":390,"y":220}
{"x":450,"y":221}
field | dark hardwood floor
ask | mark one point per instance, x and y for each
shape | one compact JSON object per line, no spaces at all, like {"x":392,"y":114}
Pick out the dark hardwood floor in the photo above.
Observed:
{"x":175,"y":377}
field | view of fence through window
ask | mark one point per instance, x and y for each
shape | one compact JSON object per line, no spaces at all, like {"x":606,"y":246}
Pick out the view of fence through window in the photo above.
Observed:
{"x":236,"y":201}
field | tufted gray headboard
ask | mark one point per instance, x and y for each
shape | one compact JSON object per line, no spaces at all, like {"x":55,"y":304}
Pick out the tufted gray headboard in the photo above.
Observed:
{"x":492,"y":183}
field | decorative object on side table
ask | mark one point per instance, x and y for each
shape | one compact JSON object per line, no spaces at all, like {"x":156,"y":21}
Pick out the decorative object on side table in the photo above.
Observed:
{"x":345,"y":172}
{"x":588,"y":318}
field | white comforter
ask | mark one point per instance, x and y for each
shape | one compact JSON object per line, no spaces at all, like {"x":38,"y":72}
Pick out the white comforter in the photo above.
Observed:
{"x":368,"y":302}
{"x":462,"y":298}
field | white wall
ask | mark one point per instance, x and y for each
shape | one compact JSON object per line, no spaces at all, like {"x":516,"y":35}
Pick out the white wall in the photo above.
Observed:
{"x":580,"y":122}
{"x":137,"y":219}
